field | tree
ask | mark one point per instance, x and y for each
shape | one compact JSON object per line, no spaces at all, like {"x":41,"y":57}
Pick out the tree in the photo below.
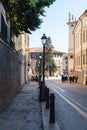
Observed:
{"x":50,"y":63}
{"x":25,"y":14}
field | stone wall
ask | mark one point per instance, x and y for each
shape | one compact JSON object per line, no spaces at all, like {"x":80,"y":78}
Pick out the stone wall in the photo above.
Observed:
{"x":9,"y":74}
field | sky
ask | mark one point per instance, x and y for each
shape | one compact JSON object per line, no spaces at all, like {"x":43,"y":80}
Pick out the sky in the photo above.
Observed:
{"x":55,"y":23}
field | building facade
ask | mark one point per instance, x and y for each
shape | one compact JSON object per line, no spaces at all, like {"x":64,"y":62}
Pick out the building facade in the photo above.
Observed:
{"x":59,"y":58}
{"x":61,"y":62}
{"x":79,"y":39}
{"x":22,"y":46}
{"x":4,"y":23}
{"x":71,"y":23}
{"x":9,"y":62}
{"x":65,"y":64}
{"x":80,"y":35}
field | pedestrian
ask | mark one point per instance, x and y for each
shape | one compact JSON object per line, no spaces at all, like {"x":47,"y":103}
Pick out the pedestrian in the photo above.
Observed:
{"x":76,"y":78}
{"x":62,"y":78}
{"x":70,"y":79}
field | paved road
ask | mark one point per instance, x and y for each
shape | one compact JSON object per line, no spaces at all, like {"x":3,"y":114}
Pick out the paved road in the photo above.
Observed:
{"x":71,"y":105}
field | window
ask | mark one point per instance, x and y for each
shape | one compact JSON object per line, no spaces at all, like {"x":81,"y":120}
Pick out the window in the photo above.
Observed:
{"x":83,"y":59}
{"x":84,"y":36}
{"x":78,"y":60}
{"x":72,"y":25}
{"x":80,"y":38}
{"x":86,"y":56}
{"x":71,"y":57}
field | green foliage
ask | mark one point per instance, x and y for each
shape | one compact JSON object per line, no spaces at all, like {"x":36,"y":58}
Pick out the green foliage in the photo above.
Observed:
{"x":50,"y":63}
{"x":25,"y":14}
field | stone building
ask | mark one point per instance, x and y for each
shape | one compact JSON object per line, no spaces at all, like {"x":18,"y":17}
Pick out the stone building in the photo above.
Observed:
{"x":13,"y":59}
{"x":71,"y":23}
{"x":34,"y":56}
{"x":22,"y":46}
{"x":4,"y":24}
{"x":58,"y":56}
{"x":79,"y":43}
{"x":9,"y":62}
{"x":65,"y":64}
{"x":61,"y":61}
{"x":20,"y":43}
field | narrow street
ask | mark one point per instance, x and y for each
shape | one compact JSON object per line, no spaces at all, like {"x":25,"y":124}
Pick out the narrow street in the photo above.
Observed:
{"x":70,"y":104}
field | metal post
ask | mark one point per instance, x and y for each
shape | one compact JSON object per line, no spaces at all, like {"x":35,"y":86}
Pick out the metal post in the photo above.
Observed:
{"x":43,"y":89}
{"x":47,"y":97}
{"x":40,"y":73}
{"x":44,"y":65}
{"x":52,"y":108}
{"x":42,"y":92}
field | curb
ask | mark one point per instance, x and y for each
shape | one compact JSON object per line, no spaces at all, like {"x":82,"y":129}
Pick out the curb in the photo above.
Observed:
{"x":45,"y":119}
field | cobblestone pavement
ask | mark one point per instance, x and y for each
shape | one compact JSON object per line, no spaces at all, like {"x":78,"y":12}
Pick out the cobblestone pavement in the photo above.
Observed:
{"x":24,"y":111}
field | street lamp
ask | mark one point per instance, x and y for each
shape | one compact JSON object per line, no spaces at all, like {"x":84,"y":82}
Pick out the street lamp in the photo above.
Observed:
{"x":42,"y":88}
{"x":40,"y":57}
{"x":44,"y":42}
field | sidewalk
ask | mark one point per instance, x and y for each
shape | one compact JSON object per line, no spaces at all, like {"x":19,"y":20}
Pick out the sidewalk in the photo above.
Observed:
{"x":25,"y":112}
{"x":45,"y":119}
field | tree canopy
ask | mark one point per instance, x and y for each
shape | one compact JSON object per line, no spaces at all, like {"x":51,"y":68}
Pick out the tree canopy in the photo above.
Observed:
{"x":25,"y":14}
{"x":50,"y":63}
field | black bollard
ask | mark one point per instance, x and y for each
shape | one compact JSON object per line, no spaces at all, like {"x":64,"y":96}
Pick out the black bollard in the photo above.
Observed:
{"x":42,"y":95}
{"x":52,"y":108}
{"x":41,"y":92}
{"x":47,"y":98}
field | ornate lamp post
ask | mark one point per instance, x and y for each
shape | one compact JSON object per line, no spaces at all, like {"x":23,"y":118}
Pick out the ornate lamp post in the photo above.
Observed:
{"x":42,"y":91}
{"x":44,"y":42}
{"x":40,"y":57}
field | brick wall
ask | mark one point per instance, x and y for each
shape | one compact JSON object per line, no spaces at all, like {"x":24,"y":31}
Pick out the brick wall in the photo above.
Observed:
{"x":9,"y":74}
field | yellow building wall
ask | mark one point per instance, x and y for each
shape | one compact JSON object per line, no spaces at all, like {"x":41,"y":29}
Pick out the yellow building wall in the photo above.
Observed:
{"x":80,"y":33}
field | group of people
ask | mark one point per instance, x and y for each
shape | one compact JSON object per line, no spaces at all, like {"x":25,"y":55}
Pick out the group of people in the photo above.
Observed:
{"x":73,"y":79}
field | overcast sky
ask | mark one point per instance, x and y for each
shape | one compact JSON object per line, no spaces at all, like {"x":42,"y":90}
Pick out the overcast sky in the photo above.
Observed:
{"x":55,"y":23}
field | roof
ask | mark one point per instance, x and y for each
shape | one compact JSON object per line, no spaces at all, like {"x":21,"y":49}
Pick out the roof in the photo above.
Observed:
{"x":40,"y":49}
{"x":56,"y":51}
{"x":80,"y":18}
{"x":35,"y":49}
